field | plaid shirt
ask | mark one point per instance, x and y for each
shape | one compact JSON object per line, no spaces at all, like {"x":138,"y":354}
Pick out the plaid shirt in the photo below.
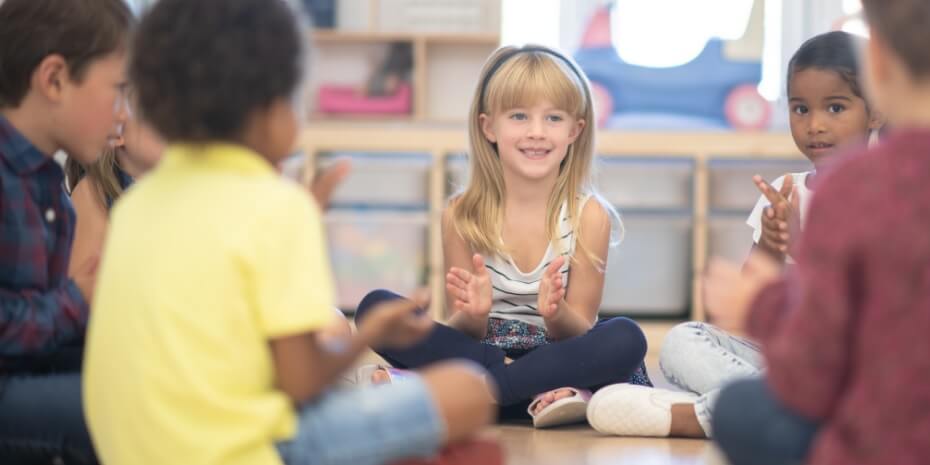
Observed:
{"x":41,"y":309}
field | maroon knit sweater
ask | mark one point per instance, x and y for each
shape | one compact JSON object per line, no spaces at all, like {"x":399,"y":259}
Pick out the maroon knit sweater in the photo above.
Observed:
{"x":847,"y":335}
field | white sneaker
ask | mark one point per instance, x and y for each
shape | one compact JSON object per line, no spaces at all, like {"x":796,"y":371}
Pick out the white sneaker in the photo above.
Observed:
{"x":631,"y":410}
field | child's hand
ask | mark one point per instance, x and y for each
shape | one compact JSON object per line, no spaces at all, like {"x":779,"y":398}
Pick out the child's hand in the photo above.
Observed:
{"x":729,"y":292}
{"x":397,"y":324}
{"x":85,"y":277}
{"x":551,"y":289}
{"x":775,"y":236}
{"x":472,"y":290}
{"x":326,"y":181}
{"x":776,"y":231}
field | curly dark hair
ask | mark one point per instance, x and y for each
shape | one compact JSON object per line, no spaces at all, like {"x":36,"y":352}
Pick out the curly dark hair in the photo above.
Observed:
{"x":905,"y":26}
{"x":79,"y":30}
{"x":201,"y":67}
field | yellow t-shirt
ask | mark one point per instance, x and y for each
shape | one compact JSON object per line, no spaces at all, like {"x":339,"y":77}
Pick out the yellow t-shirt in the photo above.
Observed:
{"x":207,"y":258}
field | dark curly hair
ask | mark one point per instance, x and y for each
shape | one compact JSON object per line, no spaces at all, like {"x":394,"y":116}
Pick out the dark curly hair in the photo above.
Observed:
{"x":79,"y":30}
{"x":201,"y":67}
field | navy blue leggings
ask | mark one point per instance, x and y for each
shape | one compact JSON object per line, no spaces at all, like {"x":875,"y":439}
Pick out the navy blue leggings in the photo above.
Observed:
{"x":609,"y":353}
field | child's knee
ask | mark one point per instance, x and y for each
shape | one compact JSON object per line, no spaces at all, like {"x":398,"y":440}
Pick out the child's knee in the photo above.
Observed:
{"x":371,"y":300}
{"x":470,"y":379}
{"x":733,"y":418}
{"x":463,"y":391}
{"x":627,"y":338}
{"x":678,"y":344}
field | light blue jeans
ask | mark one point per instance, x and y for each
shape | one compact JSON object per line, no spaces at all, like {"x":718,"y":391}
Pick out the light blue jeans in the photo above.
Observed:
{"x":367,"y":426}
{"x":702,"y":358}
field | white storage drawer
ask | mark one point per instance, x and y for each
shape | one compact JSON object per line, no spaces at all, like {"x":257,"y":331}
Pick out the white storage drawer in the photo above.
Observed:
{"x":730,"y":185}
{"x":446,"y":16}
{"x":649,"y":273}
{"x":729,"y":237}
{"x":649,"y":184}
{"x":637,"y":184}
{"x":456,"y":174}
{"x":382,"y":180}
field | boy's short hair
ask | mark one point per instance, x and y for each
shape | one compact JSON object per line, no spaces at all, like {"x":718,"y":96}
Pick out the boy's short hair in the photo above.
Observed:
{"x":78,"y":30}
{"x":201,"y":67}
{"x":905,"y":25}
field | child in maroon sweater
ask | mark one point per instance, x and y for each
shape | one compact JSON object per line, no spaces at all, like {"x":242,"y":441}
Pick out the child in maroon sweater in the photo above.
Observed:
{"x":845,"y":335}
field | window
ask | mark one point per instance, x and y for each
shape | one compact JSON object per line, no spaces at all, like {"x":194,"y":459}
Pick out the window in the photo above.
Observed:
{"x":646,"y":34}
{"x":853,"y":22}
{"x":530,"y":21}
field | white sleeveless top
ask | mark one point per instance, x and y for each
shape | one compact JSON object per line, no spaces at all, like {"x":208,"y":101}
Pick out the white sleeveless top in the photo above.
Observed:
{"x":515,"y":293}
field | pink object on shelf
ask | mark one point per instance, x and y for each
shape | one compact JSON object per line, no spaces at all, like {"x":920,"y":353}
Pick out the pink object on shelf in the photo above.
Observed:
{"x":349,"y":99}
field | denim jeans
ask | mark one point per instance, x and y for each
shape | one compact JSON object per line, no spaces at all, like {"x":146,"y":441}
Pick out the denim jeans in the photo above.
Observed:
{"x":367,"y":426}
{"x":702,"y":358}
{"x":42,"y":419}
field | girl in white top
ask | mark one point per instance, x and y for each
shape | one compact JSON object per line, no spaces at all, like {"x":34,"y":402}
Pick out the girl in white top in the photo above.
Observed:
{"x":828,"y":111}
{"x":525,"y":243}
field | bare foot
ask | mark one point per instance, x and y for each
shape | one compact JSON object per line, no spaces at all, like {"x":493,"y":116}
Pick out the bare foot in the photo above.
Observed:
{"x":550,"y":397}
{"x":380,"y":376}
{"x":685,"y":422}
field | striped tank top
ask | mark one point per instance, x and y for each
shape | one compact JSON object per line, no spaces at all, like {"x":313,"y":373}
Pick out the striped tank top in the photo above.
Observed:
{"x":515,"y":293}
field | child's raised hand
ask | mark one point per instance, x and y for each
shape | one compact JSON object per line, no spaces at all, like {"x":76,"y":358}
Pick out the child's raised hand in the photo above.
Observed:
{"x":398,"y":323}
{"x":551,"y":289}
{"x":775,"y":236}
{"x":327,"y":180}
{"x":471,"y":289}
{"x":729,"y":291}
{"x":776,"y":233}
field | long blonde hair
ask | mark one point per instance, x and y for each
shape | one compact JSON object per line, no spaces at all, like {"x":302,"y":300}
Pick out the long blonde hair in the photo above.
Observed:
{"x":515,"y":77}
{"x":102,"y":173}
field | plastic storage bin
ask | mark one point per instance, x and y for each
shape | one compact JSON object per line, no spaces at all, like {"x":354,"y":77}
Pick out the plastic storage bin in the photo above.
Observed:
{"x":353,"y":15}
{"x":646,"y":184}
{"x":473,"y":16}
{"x":649,"y":273}
{"x":376,"y":250}
{"x":628,"y":183}
{"x":399,"y":181}
{"x":730,"y":184}
{"x":456,"y":173}
{"x":729,"y":237}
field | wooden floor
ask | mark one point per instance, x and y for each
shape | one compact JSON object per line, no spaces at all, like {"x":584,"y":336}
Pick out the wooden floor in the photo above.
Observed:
{"x":581,"y":445}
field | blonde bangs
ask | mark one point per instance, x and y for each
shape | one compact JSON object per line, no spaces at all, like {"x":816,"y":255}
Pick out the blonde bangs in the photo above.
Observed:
{"x":527,"y":79}
{"x":523,"y":80}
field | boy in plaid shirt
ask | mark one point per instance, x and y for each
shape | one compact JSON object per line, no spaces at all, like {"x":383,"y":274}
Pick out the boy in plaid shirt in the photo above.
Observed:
{"x":61,"y":82}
